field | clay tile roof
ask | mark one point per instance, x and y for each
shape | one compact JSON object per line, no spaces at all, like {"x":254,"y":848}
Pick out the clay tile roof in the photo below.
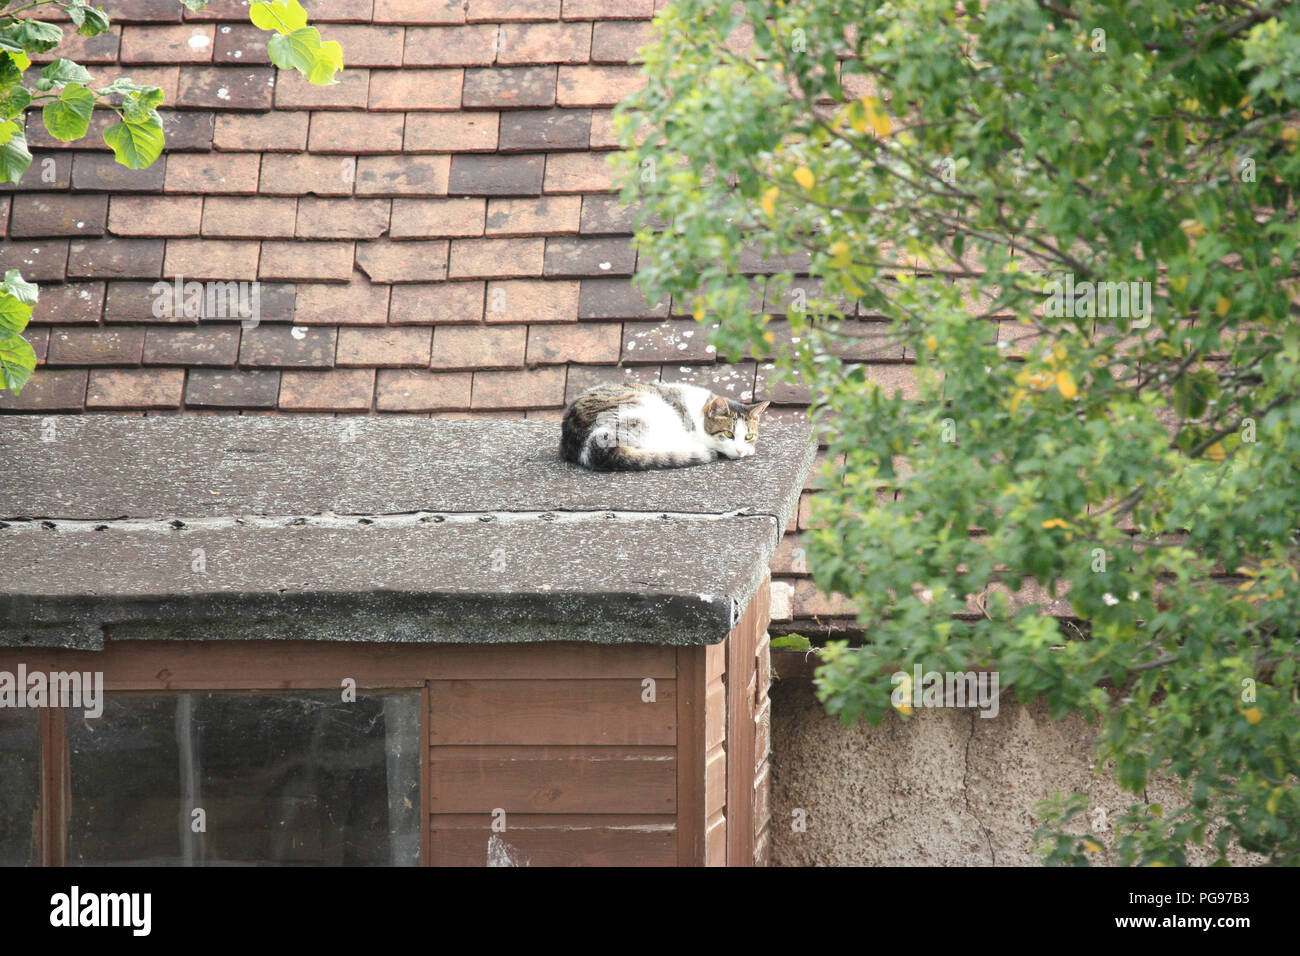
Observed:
{"x":434,"y":236}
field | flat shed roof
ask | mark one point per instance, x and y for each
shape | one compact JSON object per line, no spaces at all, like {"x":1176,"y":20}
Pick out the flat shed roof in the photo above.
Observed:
{"x":372,"y":529}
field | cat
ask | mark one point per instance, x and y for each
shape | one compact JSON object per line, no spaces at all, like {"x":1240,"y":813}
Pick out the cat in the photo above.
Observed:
{"x":636,"y":427}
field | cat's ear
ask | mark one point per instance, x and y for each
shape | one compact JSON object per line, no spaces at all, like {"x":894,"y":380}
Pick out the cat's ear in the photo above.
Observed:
{"x":753,"y":411}
{"x":717,"y":407}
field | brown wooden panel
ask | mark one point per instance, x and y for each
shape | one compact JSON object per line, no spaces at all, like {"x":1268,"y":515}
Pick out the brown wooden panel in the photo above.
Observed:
{"x":762,"y":734}
{"x":715,"y":714}
{"x":551,"y":821}
{"x":762,"y":793}
{"x":426,"y":847}
{"x":716,"y":657}
{"x":56,"y":786}
{"x":715,"y":780}
{"x":606,"y":712}
{"x":178,"y":665}
{"x":763,"y":848}
{"x":691,"y":817}
{"x":553,"y":780}
{"x":763,"y":663}
{"x":715,"y":841}
{"x":553,"y":660}
{"x":555,"y":846}
{"x":742,"y":690}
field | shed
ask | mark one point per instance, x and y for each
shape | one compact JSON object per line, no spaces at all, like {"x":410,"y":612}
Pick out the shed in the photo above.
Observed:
{"x":380,"y":640}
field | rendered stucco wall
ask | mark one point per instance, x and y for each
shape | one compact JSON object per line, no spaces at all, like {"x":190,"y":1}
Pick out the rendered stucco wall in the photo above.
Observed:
{"x":946,"y":787}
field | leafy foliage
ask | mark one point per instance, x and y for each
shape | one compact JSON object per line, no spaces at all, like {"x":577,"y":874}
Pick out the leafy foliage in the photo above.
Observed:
{"x":16,"y":356}
{"x":972,"y":184}
{"x":68,"y":101}
{"x":297,"y":46}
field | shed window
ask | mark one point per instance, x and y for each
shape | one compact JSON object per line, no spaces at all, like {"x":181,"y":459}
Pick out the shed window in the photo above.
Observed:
{"x":290,"y":778}
{"x":20,"y":797}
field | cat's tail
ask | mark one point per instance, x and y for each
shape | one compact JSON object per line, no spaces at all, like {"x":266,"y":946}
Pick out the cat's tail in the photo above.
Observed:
{"x":623,"y":458}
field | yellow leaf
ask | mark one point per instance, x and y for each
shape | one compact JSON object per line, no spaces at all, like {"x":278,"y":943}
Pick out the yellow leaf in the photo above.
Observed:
{"x":1252,"y":715}
{"x":1055,"y":523}
{"x":1016,"y":399}
{"x":876,"y":116}
{"x":1178,"y":283}
{"x":1092,"y":846}
{"x":804,"y":177}
{"x":1065,"y":382}
{"x":698,"y":310}
{"x":1291,"y":134}
{"x":769,"y":200}
{"x":1059,"y":350}
{"x":1215,"y":452}
{"x":840,"y":253}
{"x":769,"y":338}
{"x":931,"y":343}
{"x":1222,"y":305}
{"x":1193,"y":228}
{"x":1274,"y":799}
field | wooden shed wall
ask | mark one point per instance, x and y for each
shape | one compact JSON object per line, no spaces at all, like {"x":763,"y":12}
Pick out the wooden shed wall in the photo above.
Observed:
{"x":578,"y":753}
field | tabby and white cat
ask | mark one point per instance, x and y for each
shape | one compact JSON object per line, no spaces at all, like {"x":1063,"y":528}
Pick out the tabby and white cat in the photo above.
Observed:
{"x":634,"y":427}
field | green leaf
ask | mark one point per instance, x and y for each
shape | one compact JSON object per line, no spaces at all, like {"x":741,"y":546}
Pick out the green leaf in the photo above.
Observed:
{"x":195,"y":4}
{"x":793,"y":641}
{"x":123,"y":86}
{"x":89,"y":21}
{"x":15,"y":285}
{"x":17,"y":362}
{"x":33,"y":36}
{"x":140,"y":105}
{"x":329,"y":60}
{"x":1192,"y":392}
{"x":13,"y":313}
{"x":295,"y":51}
{"x":282,"y":16}
{"x":136,"y":143}
{"x":65,"y":71}
{"x":14,"y":102}
{"x":68,"y":117}
{"x":14,"y":158}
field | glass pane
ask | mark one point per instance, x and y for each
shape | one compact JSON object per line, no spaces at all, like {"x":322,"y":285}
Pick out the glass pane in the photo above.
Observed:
{"x":20,"y":787}
{"x":296,"y":778}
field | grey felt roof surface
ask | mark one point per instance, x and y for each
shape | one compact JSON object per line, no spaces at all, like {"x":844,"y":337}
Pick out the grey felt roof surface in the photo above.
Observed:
{"x":373,"y":529}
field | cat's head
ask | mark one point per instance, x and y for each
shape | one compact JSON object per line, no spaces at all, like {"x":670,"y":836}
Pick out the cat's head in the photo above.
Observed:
{"x":732,"y":428}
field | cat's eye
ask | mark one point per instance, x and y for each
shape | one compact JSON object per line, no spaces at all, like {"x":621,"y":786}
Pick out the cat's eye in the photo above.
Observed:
{"x":730,"y":433}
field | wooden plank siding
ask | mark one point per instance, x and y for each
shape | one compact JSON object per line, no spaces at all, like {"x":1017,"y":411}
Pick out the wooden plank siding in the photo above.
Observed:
{"x":592,"y":711}
{"x":762,"y":750}
{"x":692,"y":757}
{"x":743,"y":702}
{"x":562,"y":753}
{"x":547,"y":771}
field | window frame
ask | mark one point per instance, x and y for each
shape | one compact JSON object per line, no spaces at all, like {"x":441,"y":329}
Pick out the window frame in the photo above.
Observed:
{"x":220,"y":668}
